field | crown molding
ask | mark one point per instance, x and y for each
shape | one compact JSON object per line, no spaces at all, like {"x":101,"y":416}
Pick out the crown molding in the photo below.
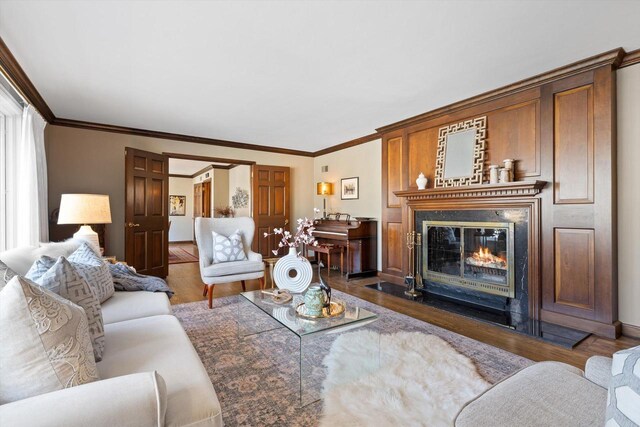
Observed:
{"x":19,"y":79}
{"x":612,"y":58}
{"x":348,"y":144}
{"x":630,"y":58}
{"x":176,"y":137}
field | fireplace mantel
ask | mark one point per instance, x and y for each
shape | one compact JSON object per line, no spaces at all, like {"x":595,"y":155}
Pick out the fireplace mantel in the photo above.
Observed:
{"x":510,"y":189}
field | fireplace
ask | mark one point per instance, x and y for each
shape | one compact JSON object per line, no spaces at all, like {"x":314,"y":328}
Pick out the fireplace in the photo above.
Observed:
{"x":470,"y":254}
{"x":476,"y":256}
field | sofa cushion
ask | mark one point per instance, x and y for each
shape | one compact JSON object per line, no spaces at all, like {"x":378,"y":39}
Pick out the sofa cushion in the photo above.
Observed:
{"x":134,"y":305}
{"x":62,"y":279}
{"x":623,"y":399}
{"x":45,"y":342}
{"x":21,"y":259}
{"x":100,"y":403}
{"x":233,"y":267}
{"x":227,"y":249}
{"x":159,"y":343}
{"x":544,"y":394}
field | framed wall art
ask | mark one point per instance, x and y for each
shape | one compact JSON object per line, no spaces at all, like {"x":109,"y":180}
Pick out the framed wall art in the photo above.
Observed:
{"x":349,"y":188}
{"x":177,"y":205}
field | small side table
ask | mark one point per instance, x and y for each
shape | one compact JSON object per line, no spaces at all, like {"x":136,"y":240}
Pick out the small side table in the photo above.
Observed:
{"x":271,"y":262}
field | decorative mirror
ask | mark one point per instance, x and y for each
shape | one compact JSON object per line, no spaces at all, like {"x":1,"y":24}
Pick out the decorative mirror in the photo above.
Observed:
{"x":460,"y":156}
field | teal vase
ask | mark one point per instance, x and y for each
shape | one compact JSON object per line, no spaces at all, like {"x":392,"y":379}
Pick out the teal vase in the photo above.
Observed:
{"x":314,"y":301}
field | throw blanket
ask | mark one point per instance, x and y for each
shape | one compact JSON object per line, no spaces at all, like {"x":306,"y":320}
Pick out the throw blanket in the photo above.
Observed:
{"x":126,"y":279}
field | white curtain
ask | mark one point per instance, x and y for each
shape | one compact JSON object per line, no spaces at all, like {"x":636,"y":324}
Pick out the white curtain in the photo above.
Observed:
{"x":31,"y":222}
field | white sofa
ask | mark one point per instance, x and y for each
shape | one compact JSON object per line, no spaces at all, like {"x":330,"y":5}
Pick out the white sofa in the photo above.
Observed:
{"x":142,"y":336}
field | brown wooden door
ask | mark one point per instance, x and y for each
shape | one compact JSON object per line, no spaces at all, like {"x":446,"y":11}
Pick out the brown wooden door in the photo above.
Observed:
{"x":206,"y":199}
{"x":146,"y":212}
{"x":197,"y":200}
{"x":271,"y":205}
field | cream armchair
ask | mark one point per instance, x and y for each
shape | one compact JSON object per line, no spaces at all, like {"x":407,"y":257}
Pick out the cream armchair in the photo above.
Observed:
{"x":227,"y":272}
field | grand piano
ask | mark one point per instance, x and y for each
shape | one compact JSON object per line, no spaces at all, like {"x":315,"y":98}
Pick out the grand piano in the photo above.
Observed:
{"x":359,"y":238}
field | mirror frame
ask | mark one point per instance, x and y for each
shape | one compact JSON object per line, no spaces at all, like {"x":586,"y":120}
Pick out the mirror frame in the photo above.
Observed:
{"x":480,"y":124}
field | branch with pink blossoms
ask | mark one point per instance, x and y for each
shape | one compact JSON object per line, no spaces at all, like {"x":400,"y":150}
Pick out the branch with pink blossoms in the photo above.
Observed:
{"x":303,"y":236}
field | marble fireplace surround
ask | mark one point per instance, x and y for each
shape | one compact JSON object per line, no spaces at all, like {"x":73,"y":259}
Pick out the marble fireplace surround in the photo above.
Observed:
{"x":516,"y":202}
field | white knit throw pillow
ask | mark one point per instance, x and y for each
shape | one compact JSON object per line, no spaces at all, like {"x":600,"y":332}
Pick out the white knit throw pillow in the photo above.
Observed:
{"x":227,"y":249}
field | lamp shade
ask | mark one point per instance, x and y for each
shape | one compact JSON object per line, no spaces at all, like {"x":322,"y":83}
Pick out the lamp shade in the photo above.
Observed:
{"x":84,"y":209}
{"x":324,"y":189}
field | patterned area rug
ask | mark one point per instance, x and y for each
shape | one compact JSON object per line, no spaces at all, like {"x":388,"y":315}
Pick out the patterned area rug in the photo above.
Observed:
{"x":180,"y":256}
{"x":256,"y":378}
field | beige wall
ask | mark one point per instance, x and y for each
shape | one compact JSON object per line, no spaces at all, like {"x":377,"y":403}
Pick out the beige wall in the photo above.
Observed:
{"x":240,"y":176}
{"x":182,"y":226}
{"x":220,"y":188}
{"x":365,"y":162}
{"x":629,"y":195}
{"x":81,"y":160}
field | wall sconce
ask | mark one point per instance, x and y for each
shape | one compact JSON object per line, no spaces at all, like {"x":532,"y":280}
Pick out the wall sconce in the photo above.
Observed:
{"x":324,"y":189}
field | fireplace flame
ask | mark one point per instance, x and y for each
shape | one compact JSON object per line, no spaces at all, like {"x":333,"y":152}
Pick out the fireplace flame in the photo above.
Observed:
{"x":484,"y":258}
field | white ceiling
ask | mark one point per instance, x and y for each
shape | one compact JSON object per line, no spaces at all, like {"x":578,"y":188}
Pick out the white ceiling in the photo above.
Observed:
{"x":188,"y":167}
{"x":304,"y":75}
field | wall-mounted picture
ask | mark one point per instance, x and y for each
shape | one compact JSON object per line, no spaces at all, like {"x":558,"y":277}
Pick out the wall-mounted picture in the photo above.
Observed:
{"x":177,"y":205}
{"x":350,"y":188}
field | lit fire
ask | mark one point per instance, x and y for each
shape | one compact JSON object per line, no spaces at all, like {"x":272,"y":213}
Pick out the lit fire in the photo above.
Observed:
{"x":484,"y":258}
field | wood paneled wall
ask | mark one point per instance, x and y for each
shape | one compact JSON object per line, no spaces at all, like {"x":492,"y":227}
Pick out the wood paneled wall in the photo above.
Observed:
{"x":561,"y":129}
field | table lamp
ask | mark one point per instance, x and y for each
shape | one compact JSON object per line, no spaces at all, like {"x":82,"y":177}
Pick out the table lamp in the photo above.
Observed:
{"x":85,"y":209}
{"x":324,"y":189}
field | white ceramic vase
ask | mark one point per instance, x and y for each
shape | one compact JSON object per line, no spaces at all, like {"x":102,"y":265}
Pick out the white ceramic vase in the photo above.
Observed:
{"x":297,"y":282}
{"x":421,"y":182}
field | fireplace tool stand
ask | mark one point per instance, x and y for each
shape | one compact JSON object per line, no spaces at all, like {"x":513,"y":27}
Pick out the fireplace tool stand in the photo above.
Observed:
{"x":410,"y":279}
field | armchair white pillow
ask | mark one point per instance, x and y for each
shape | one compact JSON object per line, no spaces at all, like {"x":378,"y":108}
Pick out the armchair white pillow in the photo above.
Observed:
{"x":226,"y":249}
{"x":45,"y":342}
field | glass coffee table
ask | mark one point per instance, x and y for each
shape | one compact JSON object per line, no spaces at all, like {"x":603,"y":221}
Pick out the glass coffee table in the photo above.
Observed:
{"x":314,"y":335}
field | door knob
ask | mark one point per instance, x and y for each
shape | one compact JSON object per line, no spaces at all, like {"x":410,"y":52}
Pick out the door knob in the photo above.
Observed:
{"x":130,"y":224}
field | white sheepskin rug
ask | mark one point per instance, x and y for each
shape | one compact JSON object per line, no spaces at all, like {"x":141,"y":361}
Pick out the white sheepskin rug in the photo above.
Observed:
{"x":420,"y":381}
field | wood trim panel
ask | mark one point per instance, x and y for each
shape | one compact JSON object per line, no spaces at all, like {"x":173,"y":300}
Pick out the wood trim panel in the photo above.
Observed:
{"x":394,"y":170}
{"x":19,"y":79}
{"x":395,"y":242}
{"x":177,"y":175}
{"x":611,"y":58}
{"x":630,"y":58}
{"x":574,"y":284}
{"x":348,"y":144}
{"x":573,"y":145}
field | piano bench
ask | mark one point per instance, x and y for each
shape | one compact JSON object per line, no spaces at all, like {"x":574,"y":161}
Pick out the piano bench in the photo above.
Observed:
{"x":328,"y":249}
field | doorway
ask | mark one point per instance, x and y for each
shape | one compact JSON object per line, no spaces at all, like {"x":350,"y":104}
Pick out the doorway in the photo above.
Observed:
{"x":179,"y":188}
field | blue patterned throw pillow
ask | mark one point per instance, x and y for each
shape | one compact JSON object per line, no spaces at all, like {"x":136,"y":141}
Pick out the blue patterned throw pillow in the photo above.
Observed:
{"x":88,"y":264}
{"x":62,"y":279}
{"x":623,"y":400}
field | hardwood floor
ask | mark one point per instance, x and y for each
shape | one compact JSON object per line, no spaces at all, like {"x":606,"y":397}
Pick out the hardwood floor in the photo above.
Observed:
{"x":184,"y":279}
